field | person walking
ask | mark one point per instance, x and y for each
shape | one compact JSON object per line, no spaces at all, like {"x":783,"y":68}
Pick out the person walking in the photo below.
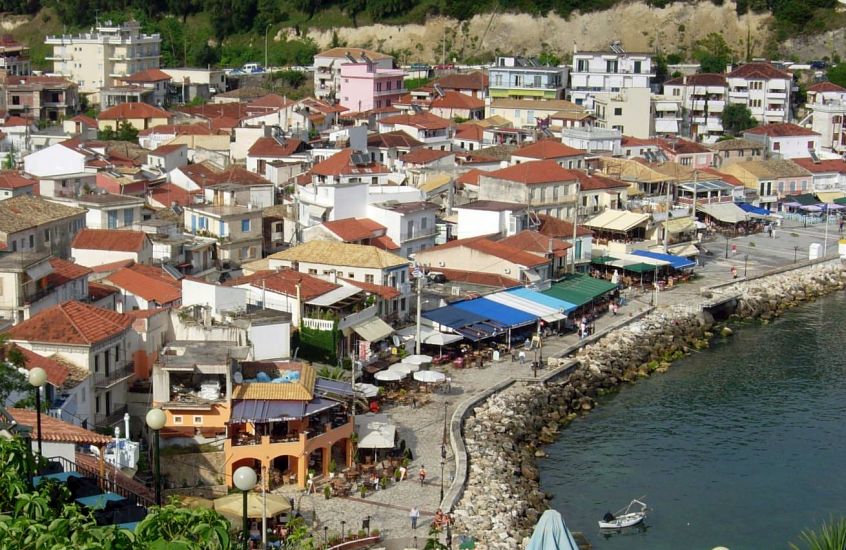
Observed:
{"x":403,"y":473}
{"x":421,"y":475}
{"x":414,"y":514}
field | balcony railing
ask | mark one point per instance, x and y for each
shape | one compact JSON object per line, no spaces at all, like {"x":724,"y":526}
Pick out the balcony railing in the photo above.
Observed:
{"x":114,"y":416}
{"x":114,"y":376}
{"x":418,"y":234}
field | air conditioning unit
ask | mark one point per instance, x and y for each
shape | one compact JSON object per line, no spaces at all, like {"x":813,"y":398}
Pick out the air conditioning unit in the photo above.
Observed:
{"x":441,"y":264}
{"x":507,"y":270}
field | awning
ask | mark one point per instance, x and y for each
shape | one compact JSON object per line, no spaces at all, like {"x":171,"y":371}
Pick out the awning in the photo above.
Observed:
{"x":274,"y":410}
{"x":507,"y":316}
{"x":541,"y":311}
{"x":804,"y":199}
{"x":679,"y":225}
{"x":682,"y":249}
{"x":470,"y":325}
{"x":830,"y":196}
{"x":541,"y":298}
{"x":726,"y":212}
{"x":617,"y":220}
{"x":601,"y":260}
{"x":334,"y":296}
{"x":373,"y":329}
{"x":639,"y":267}
{"x":677,"y":262}
{"x":39,"y":270}
{"x":754,"y":210}
{"x":428,"y":335}
{"x":579,"y":289}
{"x":333,"y":386}
{"x":374,"y":431}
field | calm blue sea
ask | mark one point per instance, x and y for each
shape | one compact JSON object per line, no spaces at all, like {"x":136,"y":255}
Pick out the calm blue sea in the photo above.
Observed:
{"x":742,"y":445}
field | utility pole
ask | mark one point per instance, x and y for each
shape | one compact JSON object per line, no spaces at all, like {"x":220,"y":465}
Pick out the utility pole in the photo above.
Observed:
{"x":575,"y":225}
{"x":267,"y":28}
{"x":695,"y":185}
{"x":669,"y":215}
{"x":418,"y":273}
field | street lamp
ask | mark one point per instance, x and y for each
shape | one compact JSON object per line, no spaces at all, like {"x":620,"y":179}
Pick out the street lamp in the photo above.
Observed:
{"x":325,"y":536}
{"x":443,"y":449}
{"x":745,"y":261}
{"x":155,"y":421}
{"x":343,"y":531}
{"x":245,"y":479}
{"x":37,"y":379}
{"x":727,"y":246}
{"x":795,"y":252}
{"x":267,"y":28}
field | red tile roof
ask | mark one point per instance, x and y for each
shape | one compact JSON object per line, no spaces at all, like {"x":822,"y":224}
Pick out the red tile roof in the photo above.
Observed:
{"x":57,"y":373}
{"x":178,"y":130}
{"x":146,"y":313}
{"x":65,"y":271}
{"x":492,"y":248}
{"x":385,"y":243}
{"x":115,"y":240}
{"x":632,"y":141}
{"x":537,"y":243}
{"x":424,"y":156}
{"x":16,"y":121}
{"x":240,"y":175}
{"x":534,"y":172}
{"x":98,"y":291}
{"x":822,"y":166}
{"x":681,"y":146}
{"x":167,"y":149}
{"x":270,"y":101}
{"x":397,"y":138}
{"x":758,"y":70}
{"x":477,"y":80}
{"x":269,"y":147}
{"x":340,"y":164}
{"x":71,"y":323}
{"x":53,"y":429}
{"x":12,"y":179}
{"x":132,"y":110}
{"x":423,"y":121}
{"x":547,"y":149}
{"x":470,"y":132}
{"x":113,"y":266}
{"x":785,"y":129}
{"x":826,"y":87}
{"x":596,"y":181}
{"x":471,"y":177}
{"x":151,"y":284}
{"x":167,"y":193}
{"x":556,"y":227}
{"x":384,"y":292}
{"x":85,"y":119}
{"x":147,"y":75}
{"x":355,"y":229}
{"x":701,"y":79}
{"x":42,"y":80}
{"x":285,"y":282}
{"x":731,"y":180}
{"x":478,"y":278}
{"x":457,"y":100}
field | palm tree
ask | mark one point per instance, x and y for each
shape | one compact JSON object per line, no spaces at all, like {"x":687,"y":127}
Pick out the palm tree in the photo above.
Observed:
{"x":832,"y":536}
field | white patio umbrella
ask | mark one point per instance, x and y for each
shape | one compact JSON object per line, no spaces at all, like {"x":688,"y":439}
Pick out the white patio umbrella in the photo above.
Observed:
{"x":418,"y":359}
{"x":401,"y":368}
{"x":429,"y":376}
{"x":368,"y":390}
{"x":389,"y":376}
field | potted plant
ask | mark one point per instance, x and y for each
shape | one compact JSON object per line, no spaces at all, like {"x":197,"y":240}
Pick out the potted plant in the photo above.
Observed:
{"x":397,"y":475}
{"x":361,"y":533}
{"x":383,"y":483}
{"x":327,"y":491}
{"x":333,"y":467}
{"x":363,"y":490}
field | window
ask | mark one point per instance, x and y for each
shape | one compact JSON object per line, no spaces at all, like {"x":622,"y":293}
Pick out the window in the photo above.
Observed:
{"x":637,"y":67}
{"x":97,"y":405}
{"x":351,"y":275}
{"x":530,"y":117}
{"x":388,"y":85}
{"x":555,"y":194}
{"x":537,"y":81}
{"x":410,"y":229}
{"x":368,"y":278}
{"x":423,"y":223}
{"x":582,"y":65}
{"x":32,"y":241}
{"x":811,"y":145}
{"x":14,"y":246}
{"x":245,"y":226}
{"x":776,"y":146}
{"x":685,"y":161}
{"x":177,"y":419}
{"x":198,"y":420}
{"x":112,"y":219}
{"x":517,"y":114}
{"x":402,"y":304}
{"x":96,"y":363}
{"x":312,"y":272}
{"x":611,"y":66}
{"x":378,"y":86}
{"x":399,"y":84}
{"x":676,"y":91}
{"x":128,"y":216}
{"x":47,"y":235}
{"x":618,"y":111}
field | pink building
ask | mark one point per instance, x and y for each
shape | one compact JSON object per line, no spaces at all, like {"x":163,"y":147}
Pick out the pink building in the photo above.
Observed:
{"x":365,"y":87}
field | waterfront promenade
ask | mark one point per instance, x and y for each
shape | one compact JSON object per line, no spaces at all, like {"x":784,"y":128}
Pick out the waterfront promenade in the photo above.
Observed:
{"x":422,"y":428}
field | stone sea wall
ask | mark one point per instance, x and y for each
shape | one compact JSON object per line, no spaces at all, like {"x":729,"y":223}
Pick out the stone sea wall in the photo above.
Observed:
{"x":502,"y":499}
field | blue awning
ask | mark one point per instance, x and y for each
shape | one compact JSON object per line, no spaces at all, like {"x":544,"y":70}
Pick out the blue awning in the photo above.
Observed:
{"x":508,"y":316}
{"x":746,"y":207}
{"x":333,"y":386}
{"x":453,"y":317}
{"x":275,"y":410}
{"x":676,"y":262}
{"x":544,"y":299}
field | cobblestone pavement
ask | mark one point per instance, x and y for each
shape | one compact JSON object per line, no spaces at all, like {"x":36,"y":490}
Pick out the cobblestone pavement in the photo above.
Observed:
{"x":423,"y":427}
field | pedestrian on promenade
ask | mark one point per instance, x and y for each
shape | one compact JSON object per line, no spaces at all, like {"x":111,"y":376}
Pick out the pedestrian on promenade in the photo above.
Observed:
{"x":841,"y":224}
{"x":414,"y":514}
{"x":403,"y":473}
{"x":422,"y":474}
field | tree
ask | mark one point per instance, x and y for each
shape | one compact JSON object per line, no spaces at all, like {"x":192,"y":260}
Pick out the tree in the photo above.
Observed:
{"x":736,"y":118}
{"x":11,"y":379}
{"x":549,"y":58}
{"x":837,"y":74}
{"x":713,"y":54}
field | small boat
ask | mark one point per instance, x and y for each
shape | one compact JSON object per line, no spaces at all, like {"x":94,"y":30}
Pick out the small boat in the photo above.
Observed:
{"x":625,"y":517}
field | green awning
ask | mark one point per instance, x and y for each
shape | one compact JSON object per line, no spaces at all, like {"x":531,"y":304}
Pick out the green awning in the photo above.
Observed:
{"x":580,"y":289}
{"x":805,"y":199}
{"x":840,"y":201}
{"x":601,"y":260}
{"x":640,"y":268}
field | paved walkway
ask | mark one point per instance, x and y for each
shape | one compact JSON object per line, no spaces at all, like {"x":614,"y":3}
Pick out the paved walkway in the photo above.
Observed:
{"x":423,"y":427}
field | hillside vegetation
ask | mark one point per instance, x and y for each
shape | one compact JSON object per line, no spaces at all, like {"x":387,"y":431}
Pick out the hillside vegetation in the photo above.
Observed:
{"x":232,"y":32}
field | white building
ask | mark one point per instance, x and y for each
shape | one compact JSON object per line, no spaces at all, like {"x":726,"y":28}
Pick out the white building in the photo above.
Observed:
{"x":491,"y":218}
{"x":517,"y":77}
{"x":409,"y":224}
{"x":764,"y":89}
{"x":702,"y":98}
{"x":607,"y":71}
{"x":93,"y":247}
{"x":785,"y":141}
{"x":96,"y":59}
{"x":627,"y":111}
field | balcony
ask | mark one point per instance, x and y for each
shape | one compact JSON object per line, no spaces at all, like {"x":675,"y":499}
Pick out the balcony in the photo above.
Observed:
{"x":739,"y":94}
{"x":395,"y":91}
{"x":776,"y":94}
{"x":712,"y":105}
{"x":774,"y":113}
{"x":113,"y":417}
{"x":103,"y":380}
{"x":418,"y":234}
{"x":295,"y":443}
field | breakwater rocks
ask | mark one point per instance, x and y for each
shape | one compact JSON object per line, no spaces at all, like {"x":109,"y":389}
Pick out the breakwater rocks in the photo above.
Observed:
{"x":504,"y":437}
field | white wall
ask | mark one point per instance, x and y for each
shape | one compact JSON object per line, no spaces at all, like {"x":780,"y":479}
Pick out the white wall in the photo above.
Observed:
{"x":92,"y":258}
{"x":271,"y":341}
{"x":244,"y":139}
{"x":273,"y":300}
{"x":472,"y":223}
{"x":219,"y":298}
{"x":54,"y":160}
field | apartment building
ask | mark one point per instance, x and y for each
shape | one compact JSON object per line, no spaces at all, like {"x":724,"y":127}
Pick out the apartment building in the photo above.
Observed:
{"x":364,"y":86}
{"x":608,"y":71}
{"x":515,"y":77}
{"x":14,"y":57}
{"x":703,"y":98}
{"x":104,"y":57}
{"x":627,"y":111}
{"x":764,"y":89}
{"x":327,"y":68}
{"x":41,"y":97}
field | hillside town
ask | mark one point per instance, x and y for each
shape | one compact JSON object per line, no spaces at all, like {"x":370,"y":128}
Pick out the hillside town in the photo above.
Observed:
{"x":216,"y":289}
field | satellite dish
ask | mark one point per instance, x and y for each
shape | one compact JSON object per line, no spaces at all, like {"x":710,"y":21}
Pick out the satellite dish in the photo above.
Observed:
{"x":238,"y":378}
